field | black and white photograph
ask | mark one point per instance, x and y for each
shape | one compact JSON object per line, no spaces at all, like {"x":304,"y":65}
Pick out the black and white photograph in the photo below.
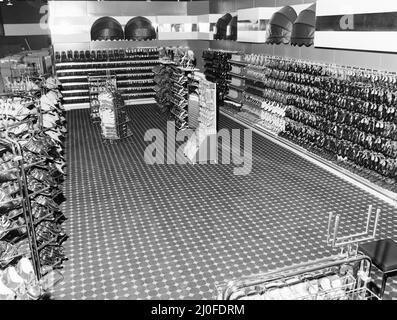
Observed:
{"x":203,"y":157}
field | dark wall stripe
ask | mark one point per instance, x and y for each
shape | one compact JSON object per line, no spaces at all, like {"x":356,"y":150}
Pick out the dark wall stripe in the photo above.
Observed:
{"x":248,"y":25}
{"x":385,"y":21}
{"x":11,"y":45}
{"x":22,"y":12}
{"x":1,"y":24}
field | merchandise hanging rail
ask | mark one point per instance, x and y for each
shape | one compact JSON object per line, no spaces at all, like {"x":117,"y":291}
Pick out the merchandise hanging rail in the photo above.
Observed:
{"x":78,"y":63}
{"x":28,"y":148}
{"x":381,"y":193}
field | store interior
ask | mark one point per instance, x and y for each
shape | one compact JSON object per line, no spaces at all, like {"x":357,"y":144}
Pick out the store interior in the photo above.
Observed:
{"x":113,"y":188}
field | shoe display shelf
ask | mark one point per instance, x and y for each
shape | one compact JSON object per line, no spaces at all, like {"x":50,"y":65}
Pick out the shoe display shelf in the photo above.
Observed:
{"x":96,"y":85}
{"x":179,"y":95}
{"x":32,"y":127}
{"x":163,"y":84}
{"x":217,"y":69}
{"x":207,"y":122}
{"x":114,"y":118}
{"x":345,"y":115}
{"x":133,"y":69}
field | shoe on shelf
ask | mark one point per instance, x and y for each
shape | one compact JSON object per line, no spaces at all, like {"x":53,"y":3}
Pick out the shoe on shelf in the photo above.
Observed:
{"x":12,"y":279}
{"x":25,"y":269}
{"x":5,"y":224}
{"x":7,"y":176}
{"x":6,"y":293}
{"x":7,"y":253}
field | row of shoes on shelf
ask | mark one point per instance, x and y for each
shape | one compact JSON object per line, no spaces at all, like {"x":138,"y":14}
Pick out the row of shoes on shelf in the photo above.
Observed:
{"x":232,"y":105}
{"x":333,"y":79}
{"x":355,"y":134}
{"x":378,"y":110}
{"x":19,"y":281}
{"x":347,"y":150}
{"x":106,"y":55}
{"x":361,"y":115}
{"x":268,"y":94}
{"x":179,"y":97}
{"x":163,"y":86}
{"x":127,"y":71}
{"x":217,"y":70}
{"x":384,"y":126}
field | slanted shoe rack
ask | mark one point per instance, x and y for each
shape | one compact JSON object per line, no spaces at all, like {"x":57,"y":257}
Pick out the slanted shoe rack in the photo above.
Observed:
{"x":21,"y":199}
{"x":133,"y":69}
{"x":163,"y":84}
{"x":32,"y":210}
{"x":216,"y":69}
{"x":181,"y":77}
{"x":235,"y":96}
{"x":202,"y":144}
{"x":96,"y":85}
{"x":114,"y":117}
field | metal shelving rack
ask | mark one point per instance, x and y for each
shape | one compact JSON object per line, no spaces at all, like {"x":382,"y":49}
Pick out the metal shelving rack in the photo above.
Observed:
{"x":24,"y":199}
{"x":344,"y":276}
{"x":97,"y":84}
{"x":25,"y":196}
{"x":132,"y":67}
{"x":180,"y":78}
{"x":120,"y":129}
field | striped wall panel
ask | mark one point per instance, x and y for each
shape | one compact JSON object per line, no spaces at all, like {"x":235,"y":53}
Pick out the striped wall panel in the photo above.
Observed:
{"x":364,"y":25}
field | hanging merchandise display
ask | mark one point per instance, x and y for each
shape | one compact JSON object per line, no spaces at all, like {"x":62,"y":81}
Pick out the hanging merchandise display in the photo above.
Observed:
{"x":114,"y":118}
{"x":346,"y":115}
{"x":32,"y":130}
{"x":304,"y":27}
{"x":98,"y":84}
{"x":234,"y":98}
{"x":133,"y":69}
{"x":216,"y":70}
{"x":106,"y":28}
{"x":180,"y":80}
{"x":172,"y":80}
{"x":280,"y":26}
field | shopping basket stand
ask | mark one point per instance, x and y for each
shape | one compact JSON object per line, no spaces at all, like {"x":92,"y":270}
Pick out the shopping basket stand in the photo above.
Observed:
{"x":348,"y":272}
{"x":349,"y":244}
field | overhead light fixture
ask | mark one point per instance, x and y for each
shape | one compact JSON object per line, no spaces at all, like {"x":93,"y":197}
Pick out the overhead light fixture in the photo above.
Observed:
{"x":9,"y":3}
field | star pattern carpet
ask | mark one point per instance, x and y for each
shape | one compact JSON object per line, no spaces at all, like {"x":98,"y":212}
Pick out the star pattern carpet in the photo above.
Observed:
{"x":140,"y":231}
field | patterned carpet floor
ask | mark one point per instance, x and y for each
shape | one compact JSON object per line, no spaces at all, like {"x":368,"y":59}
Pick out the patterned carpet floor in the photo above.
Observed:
{"x":140,"y":231}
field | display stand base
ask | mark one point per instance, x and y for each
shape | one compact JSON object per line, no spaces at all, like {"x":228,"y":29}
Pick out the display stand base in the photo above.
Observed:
{"x":202,"y":148}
